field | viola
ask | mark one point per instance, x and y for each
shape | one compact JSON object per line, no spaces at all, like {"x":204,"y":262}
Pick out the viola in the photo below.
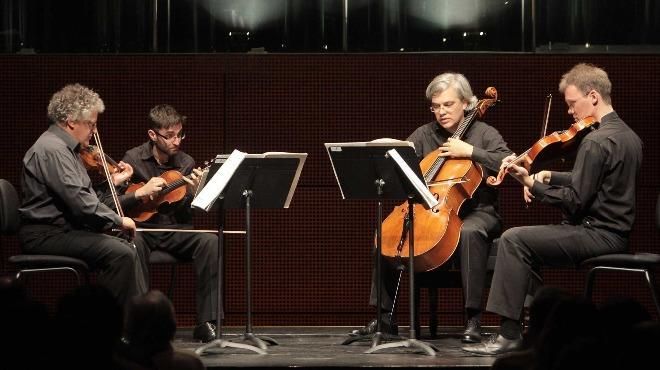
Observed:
{"x":91,"y":157}
{"x":555,"y":145}
{"x":437,"y":230}
{"x":174,"y":191}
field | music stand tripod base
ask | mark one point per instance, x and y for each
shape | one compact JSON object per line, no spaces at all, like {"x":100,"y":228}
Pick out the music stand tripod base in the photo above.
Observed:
{"x":221,"y":343}
{"x":412,"y":342}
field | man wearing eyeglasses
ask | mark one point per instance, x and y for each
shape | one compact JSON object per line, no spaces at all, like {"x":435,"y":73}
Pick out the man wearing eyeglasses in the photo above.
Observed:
{"x":451,"y":98}
{"x":61,"y":213}
{"x":150,"y":160}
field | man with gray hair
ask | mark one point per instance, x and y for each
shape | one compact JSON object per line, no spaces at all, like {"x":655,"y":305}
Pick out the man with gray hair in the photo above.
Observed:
{"x":61,"y":213}
{"x":451,"y":98}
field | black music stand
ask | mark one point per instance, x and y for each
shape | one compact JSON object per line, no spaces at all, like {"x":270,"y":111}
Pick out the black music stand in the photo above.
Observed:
{"x":383,"y":170}
{"x":251,"y":181}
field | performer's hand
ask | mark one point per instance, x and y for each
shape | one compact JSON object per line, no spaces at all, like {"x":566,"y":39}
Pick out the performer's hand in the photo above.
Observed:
{"x":543,"y":177}
{"x":193,"y":181}
{"x":456,"y":148}
{"x":124,"y":173}
{"x":151,"y":188}
{"x":128,"y":226}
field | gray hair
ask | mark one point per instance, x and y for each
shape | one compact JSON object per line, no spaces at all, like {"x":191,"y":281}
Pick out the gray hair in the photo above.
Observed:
{"x":587,"y":77}
{"x":165,"y":116}
{"x":74,"y":102}
{"x":456,"y":80}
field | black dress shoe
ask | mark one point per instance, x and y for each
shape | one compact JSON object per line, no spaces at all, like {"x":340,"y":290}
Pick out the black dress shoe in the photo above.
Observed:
{"x":495,"y":346}
{"x":371,"y":327}
{"x":204,"y":332}
{"x":472,"y":333}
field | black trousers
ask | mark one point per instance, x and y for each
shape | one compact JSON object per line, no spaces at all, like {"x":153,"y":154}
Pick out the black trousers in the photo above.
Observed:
{"x":479,"y":228}
{"x":522,"y":251}
{"x":119,"y":263}
{"x":202,"y":250}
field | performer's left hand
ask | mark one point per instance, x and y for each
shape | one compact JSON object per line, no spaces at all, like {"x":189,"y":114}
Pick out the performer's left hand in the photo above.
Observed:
{"x":456,"y":148}
{"x":193,"y":181}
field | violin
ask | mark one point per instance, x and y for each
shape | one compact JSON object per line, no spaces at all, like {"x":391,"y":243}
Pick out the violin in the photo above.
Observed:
{"x":91,"y":158}
{"x":437,"y":231}
{"x":552,"y":146}
{"x":173,"y":192}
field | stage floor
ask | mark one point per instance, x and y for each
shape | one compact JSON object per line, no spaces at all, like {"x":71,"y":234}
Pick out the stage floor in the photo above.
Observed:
{"x":318,"y":347}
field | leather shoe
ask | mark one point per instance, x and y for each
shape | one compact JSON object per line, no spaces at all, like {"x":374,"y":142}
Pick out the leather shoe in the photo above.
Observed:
{"x":370,"y":328}
{"x":472,"y":333}
{"x":204,"y":332}
{"x":495,"y":346}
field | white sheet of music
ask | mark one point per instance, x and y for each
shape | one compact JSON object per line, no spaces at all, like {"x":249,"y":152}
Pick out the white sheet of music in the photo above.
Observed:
{"x":419,"y":186}
{"x":216,"y":185}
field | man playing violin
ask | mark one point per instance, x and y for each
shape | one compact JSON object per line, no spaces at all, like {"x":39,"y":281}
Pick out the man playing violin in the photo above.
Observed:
{"x":161,"y":153}
{"x":60,"y":211}
{"x":597,"y":199}
{"x":451,"y":97}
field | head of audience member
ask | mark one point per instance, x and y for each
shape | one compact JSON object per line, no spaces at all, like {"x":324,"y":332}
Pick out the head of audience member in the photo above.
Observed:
{"x":150,"y":323}
{"x":75,"y":108}
{"x":89,"y":322}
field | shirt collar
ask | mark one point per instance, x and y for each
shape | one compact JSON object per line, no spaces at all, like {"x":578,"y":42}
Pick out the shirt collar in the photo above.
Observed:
{"x":69,"y":140}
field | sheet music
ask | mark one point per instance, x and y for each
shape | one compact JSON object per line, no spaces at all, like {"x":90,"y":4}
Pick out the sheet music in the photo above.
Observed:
{"x":216,"y":185}
{"x":419,"y":186}
{"x":336,"y":147}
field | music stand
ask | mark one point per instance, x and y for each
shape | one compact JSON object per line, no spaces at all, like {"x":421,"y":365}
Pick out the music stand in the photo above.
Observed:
{"x":250,"y":181}
{"x":383,"y":170}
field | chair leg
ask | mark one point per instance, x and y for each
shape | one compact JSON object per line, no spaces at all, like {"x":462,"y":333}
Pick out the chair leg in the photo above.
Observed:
{"x":651,"y":283}
{"x":68,"y":269}
{"x":591,"y":276}
{"x":170,"y":291}
{"x":433,"y":311}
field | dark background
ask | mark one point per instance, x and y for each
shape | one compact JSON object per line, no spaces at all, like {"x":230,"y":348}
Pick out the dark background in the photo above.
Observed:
{"x":312,"y":262}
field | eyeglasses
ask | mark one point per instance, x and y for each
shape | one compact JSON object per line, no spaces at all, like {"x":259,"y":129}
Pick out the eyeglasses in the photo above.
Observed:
{"x":181,"y":135}
{"x":437,"y":108}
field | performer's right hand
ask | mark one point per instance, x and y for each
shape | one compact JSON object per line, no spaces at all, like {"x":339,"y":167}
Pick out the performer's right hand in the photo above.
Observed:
{"x":151,"y":188}
{"x":128,"y":226}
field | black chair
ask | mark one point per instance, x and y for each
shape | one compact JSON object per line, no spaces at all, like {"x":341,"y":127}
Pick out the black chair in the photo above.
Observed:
{"x":644,"y":263}
{"x":163,"y":258}
{"x":31,"y":263}
{"x":446,"y":276}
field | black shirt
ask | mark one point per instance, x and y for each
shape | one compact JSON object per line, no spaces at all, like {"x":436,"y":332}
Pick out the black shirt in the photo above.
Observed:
{"x":489,"y":150}
{"x":600,"y":189}
{"x":145,"y":166}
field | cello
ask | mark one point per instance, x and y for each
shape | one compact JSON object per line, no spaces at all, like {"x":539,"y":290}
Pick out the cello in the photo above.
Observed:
{"x":451,"y":181}
{"x":548,"y":147}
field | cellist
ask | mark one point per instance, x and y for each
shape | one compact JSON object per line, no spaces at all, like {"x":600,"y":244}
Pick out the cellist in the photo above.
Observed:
{"x":451,"y":97}
{"x":597,"y":199}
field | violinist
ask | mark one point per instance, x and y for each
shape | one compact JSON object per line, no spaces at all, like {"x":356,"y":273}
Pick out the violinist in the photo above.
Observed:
{"x":160,"y":154}
{"x":451,"y":97}
{"x":60,"y":212}
{"x":597,"y":199}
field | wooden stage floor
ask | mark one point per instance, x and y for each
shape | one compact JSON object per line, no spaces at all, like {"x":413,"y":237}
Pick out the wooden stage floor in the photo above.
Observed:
{"x":321,"y":347}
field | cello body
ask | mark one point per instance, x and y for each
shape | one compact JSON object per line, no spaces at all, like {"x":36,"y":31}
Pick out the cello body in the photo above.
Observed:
{"x":437,"y":230}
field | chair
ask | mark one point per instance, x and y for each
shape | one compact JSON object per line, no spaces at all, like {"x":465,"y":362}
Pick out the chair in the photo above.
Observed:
{"x":31,"y":263}
{"x":644,"y":263}
{"x":158,"y":257}
{"x":446,"y":276}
